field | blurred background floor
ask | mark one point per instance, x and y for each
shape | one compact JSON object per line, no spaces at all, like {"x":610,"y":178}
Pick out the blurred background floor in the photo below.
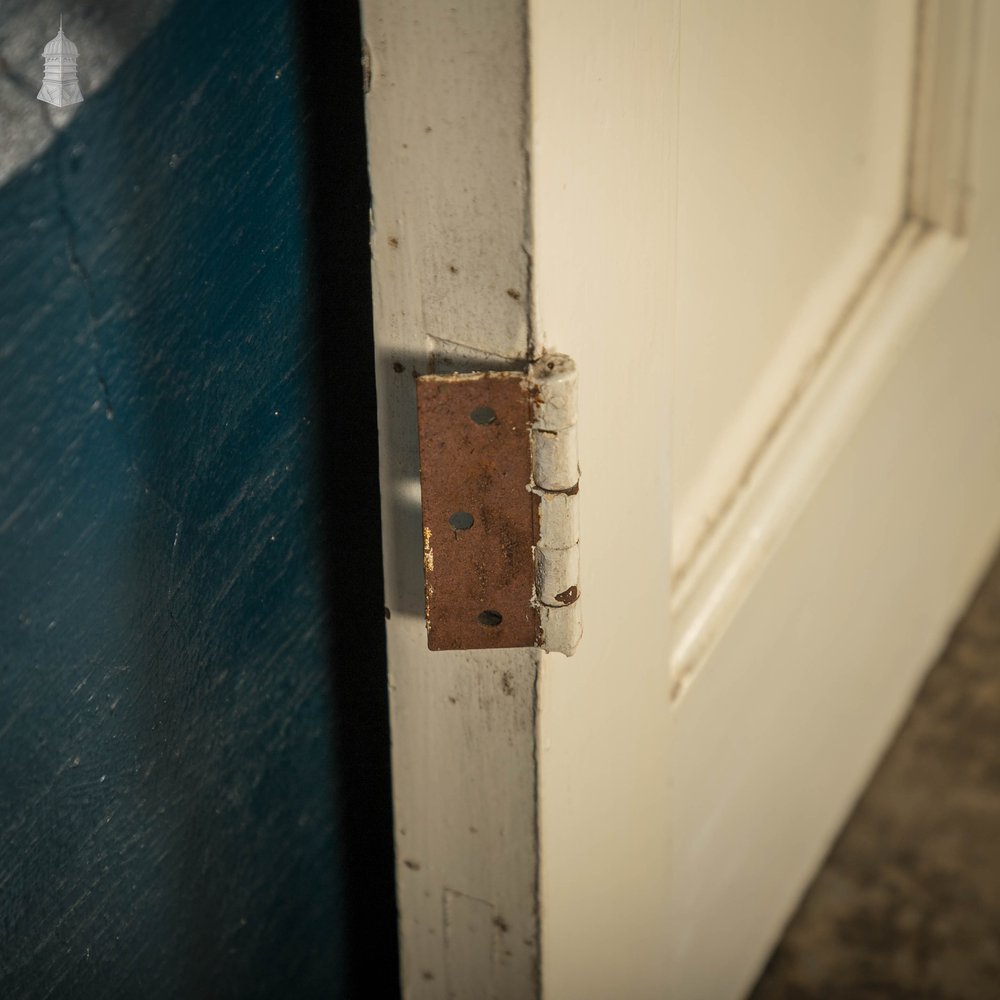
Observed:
{"x":908,"y":902}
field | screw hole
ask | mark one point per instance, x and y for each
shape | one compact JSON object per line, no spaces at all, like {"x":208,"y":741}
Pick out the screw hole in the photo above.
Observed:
{"x":490,"y":618}
{"x":484,"y":415}
{"x":461,"y":520}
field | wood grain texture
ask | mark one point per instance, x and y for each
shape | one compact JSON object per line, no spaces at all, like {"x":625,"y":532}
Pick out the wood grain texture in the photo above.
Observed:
{"x":167,"y":778}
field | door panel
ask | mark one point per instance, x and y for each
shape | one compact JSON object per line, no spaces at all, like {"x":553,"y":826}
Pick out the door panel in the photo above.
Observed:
{"x":794,"y":123}
{"x":694,"y":816}
{"x":840,"y":331}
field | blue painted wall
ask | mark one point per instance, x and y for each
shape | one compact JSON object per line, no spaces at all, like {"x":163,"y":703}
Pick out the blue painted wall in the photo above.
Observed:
{"x":185,"y":673}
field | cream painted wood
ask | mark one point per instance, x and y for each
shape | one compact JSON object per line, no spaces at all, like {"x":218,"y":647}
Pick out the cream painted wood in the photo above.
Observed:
{"x":882,"y":511}
{"x":806,"y":685}
{"x":643,"y":822}
{"x":947,"y":55}
{"x":604,"y":140}
{"x":450,"y":271}
{"x":781,"y":479}
{"x":867,"y":331}
{"x":795,"y":119}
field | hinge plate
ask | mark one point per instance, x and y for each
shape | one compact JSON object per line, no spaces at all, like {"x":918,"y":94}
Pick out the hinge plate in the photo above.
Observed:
{"x":478,"y":513}
{"x":499,"y":536}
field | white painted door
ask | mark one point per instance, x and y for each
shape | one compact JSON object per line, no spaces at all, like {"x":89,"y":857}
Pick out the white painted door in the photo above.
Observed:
{"x":768,"y":234}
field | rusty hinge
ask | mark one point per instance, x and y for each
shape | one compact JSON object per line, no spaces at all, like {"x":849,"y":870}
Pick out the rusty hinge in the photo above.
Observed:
{"x":499,"y":482}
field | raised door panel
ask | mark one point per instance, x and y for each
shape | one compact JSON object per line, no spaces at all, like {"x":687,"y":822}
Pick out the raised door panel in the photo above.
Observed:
{"x":794,"y":121}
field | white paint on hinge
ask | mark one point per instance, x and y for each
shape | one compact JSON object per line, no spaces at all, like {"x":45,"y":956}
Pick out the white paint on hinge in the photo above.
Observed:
{"x":556,"y":482}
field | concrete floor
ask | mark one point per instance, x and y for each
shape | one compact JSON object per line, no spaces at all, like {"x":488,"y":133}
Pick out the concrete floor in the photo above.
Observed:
{"x":908,"y":903}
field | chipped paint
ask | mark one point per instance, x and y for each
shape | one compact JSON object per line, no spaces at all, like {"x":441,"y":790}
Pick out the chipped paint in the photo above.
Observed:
{"x":556,"y":483}
{"x":428,"y":553}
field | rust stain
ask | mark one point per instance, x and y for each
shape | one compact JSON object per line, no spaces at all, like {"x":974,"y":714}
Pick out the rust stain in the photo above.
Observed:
{"x":570,"y":491}
{"x":568,"y":596}
{"x":479,"y":580}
